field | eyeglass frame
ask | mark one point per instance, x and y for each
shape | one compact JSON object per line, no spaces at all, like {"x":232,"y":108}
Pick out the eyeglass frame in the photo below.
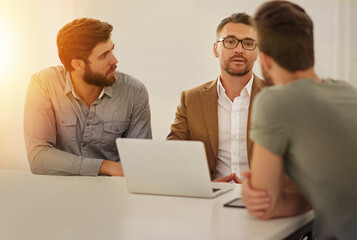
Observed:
{"x":239,"y":40}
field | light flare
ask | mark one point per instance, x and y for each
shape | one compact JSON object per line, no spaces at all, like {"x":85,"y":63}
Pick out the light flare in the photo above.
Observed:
{"x":6,"y":47}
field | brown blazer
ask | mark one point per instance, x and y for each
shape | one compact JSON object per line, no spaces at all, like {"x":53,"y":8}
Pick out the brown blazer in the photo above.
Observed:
{"x":197,"y":118}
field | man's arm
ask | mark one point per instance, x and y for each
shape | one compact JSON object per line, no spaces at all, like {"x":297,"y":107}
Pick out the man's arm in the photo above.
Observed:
{"x":267,"y":173}
{"x":40,"y":137}
{"x":140,"y":123}
{"x":111,"y":168}
{"x":256,"y":201}
{"x":179,"y":129}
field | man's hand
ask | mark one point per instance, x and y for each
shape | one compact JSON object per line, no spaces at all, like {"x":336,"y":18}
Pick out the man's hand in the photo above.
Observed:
{"x":229,"y":178}
{"x":111,"y":168}
{"x":256,"y":201}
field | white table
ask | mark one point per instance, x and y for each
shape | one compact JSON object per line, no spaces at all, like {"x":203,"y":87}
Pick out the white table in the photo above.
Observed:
{"x":65,"y":208}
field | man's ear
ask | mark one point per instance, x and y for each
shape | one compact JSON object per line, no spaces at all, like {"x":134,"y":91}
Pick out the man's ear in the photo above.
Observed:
{"x":266,"y":60}
{"x":215,"y":45}
{"x":78,"y":64}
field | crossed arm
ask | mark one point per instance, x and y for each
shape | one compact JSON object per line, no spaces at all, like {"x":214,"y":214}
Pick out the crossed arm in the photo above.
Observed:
{"x":264,"y":193}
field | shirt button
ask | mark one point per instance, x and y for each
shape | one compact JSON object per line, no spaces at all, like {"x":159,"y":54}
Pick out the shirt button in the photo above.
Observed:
{"x":87,"y":124}
{"x":84,"y":145}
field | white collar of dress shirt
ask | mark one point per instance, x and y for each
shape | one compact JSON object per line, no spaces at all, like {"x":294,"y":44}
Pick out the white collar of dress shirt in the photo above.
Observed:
{"x":76,"y":96}
{"x":221,"y":90}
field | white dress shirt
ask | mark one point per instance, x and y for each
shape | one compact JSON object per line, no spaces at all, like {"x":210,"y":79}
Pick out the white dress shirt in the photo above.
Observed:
{"x":232,"y":131}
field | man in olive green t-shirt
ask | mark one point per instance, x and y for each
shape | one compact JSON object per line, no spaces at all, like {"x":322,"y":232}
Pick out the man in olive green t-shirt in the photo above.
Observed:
{"x":304,"y":126}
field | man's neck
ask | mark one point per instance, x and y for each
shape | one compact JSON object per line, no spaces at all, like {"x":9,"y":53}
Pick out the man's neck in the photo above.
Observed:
{"x":284,"y":77}
{"x":234,"y":84}
{"x":88,"y":93}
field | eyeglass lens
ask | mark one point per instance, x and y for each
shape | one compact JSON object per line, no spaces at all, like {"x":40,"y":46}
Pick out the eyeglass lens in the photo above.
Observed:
{"x":231,"y":42}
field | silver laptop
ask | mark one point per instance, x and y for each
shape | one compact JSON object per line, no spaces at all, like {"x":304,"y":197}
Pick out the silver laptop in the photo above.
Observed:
{"x":162,"y":167}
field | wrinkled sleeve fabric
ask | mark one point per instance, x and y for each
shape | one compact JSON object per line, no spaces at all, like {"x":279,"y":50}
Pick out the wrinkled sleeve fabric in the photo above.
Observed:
{"x":269,"y":124}
{"x":140,"y":123}
{"x":40,"y":136}
{"x":179,"y":129}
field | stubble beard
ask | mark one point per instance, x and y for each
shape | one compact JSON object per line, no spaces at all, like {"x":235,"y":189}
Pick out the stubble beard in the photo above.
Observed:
{"x":245,"y":71}
{"x":236,"y":74}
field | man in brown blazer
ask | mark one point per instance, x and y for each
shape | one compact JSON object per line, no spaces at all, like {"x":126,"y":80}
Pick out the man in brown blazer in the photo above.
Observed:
{"x":217,"y":112}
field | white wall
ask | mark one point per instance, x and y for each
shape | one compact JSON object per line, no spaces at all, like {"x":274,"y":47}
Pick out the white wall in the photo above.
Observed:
{"x":166,"y":44}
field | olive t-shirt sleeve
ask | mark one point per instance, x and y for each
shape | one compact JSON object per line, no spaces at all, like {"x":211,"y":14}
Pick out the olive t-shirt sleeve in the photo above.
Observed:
{"x":269,"y":125}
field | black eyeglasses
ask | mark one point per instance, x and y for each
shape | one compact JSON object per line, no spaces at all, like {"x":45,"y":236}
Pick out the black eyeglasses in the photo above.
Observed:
{"x":232,"y":42}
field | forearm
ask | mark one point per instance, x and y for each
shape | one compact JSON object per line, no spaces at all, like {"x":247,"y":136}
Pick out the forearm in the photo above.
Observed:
{"x":268,"y":174}
{"x":289,"y":203}
{"x":52,"y":161}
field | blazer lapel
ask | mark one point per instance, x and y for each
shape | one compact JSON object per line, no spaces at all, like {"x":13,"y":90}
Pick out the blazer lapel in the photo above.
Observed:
{"x":258,"y":84}
{"x":209,"y":101}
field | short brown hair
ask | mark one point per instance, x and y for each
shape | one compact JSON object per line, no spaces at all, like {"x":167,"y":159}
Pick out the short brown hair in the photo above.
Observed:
{"x":234,"y":18}
{"x":285,"y":33}
{"x":77,"y":39}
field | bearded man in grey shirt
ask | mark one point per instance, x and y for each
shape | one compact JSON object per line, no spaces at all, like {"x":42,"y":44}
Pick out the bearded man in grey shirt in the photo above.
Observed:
{"x":74,"y":113}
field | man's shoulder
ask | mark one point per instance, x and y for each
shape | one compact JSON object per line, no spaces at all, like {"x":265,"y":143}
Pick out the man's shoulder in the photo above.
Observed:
{"x":204,"y":86}
{"x":279,"y":97}
{"x":50,"y":74}
{"x":276,"y":91}
{"x":127,"y":81}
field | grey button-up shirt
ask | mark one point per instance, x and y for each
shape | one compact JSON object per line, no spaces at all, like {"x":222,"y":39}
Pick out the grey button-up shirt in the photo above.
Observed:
{"x":64,"y":136}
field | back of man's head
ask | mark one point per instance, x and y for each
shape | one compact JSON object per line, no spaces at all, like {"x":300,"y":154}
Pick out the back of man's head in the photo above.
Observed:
{"x":234,"y":18}
{"x":77,"y":39}
{"x":285,"y":33}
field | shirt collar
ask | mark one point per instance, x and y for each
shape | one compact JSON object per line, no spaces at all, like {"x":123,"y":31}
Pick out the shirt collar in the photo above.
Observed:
{"x":221,"y":91}
{"x":249,"y":85}
{"x":108,"y":90}
{"x":68,"y":87}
